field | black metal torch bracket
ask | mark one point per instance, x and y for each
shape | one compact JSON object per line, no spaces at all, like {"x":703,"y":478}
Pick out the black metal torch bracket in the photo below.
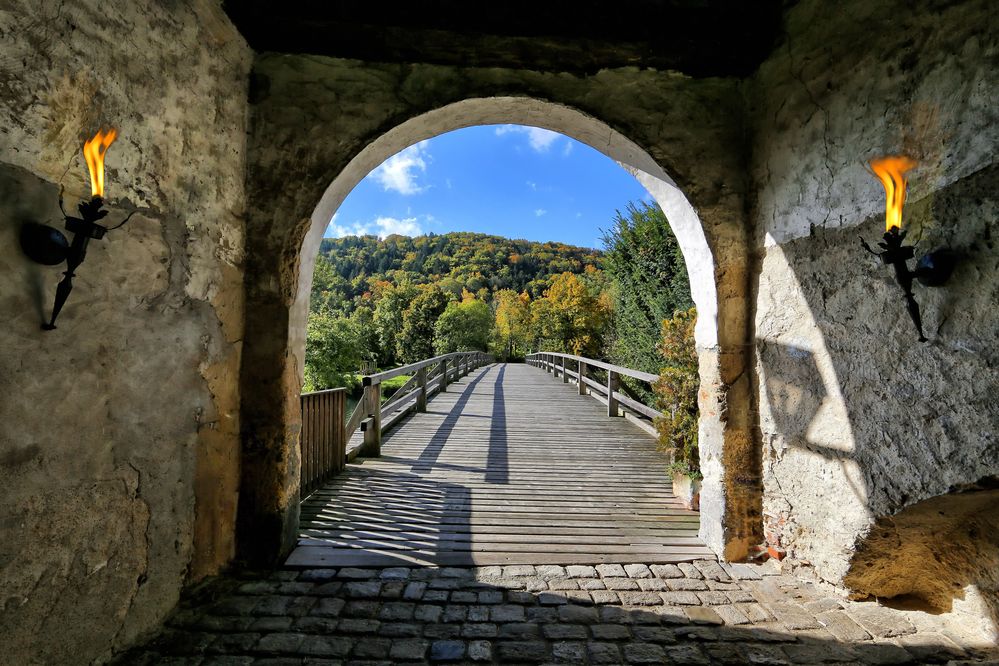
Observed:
{"x":48,"y":246}
{"x":932,"y":269}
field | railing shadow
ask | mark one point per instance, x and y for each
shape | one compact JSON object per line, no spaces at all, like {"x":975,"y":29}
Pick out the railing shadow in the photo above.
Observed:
{"x":497,"y":460}
{"x":430,"y":454}
{"x":389,"y":518}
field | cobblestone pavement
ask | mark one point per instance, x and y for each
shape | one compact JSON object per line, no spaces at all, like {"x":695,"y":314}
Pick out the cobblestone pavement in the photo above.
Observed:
{"x":700,"y":613}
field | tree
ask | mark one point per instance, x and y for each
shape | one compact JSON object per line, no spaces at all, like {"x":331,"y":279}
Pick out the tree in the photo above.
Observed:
{"x":416,"y":338}
{"x":512,"y":330}
{"x":676,"y":391}
{"x":332,"y":352}
{"x":388,"y":318}
{"x":463,"y":326}
{"x":363,"y":321}
{"x":644,"y":261}
{"x":329,"y":290}
{"x":569,"y":318}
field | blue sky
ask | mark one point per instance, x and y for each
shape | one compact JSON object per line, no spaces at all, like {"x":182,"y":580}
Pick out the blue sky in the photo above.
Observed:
{"x":508,"y":180}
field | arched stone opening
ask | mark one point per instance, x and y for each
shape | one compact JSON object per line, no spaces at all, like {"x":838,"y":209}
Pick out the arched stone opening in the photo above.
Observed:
{"x":282,"y":257}
{"x":682,"y":217}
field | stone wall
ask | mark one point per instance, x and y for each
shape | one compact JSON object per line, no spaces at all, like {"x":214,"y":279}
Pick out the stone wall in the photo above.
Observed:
{"x":118,"y":430}
{"x":859,"y":420}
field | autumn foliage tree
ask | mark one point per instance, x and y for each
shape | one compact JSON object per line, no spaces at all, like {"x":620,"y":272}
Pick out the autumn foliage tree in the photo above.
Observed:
{"x":676,"y":391}
{"x":569,"y":318}
{"x":512,"y":329}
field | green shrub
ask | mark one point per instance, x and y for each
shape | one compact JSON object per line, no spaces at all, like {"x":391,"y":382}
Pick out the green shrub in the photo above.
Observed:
{"x":676,"y":394}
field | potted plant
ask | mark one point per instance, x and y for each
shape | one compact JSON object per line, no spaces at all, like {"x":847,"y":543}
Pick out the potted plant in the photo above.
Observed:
{"x":676,"y":391}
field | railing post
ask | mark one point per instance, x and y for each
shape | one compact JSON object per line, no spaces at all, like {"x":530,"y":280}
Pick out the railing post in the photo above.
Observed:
{"x":565,"y":375}
{"x":581,"y":369}
{"x":372,"y":426}
{"x":421,"y":383}
{"x":444,"y":375}
{"x":612,"y":386}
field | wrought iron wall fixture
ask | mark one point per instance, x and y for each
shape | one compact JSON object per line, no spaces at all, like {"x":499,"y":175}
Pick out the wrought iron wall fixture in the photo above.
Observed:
{"x":48,"y":246}
{"x":932,"y":269}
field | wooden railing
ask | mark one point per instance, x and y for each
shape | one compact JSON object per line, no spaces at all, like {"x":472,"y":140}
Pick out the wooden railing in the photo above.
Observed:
{"x":323,"y":443}
{"x":610,"y":392}
{"x":325,"y":432}
{"x":374,"y":416}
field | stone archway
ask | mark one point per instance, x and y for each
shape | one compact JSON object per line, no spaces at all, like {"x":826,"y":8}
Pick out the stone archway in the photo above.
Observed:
{"x":282,"y":247}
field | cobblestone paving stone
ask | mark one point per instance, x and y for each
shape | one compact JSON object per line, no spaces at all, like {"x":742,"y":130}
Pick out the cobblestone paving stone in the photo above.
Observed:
{"x":693,"y":613}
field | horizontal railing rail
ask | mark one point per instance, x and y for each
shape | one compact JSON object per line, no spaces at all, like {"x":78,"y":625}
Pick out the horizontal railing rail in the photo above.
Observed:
{"x":374,"y":416}
{"x":323,"y":445}
{"x":612,"y":393}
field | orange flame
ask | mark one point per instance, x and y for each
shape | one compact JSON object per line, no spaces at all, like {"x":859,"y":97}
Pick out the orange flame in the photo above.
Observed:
{"x":94,"y":151}
{"x":891,"y":171}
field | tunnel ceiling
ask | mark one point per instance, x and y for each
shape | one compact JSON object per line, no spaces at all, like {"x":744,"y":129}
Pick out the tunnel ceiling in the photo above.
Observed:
{"x":697,"y":37}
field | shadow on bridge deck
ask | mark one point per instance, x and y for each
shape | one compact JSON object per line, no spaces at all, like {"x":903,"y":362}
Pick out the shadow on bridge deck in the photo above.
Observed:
{"x":507,"y":467}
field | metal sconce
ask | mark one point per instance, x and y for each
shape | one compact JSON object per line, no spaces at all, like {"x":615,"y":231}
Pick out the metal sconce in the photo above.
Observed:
{"x":48,"y":246}
{"x":932,"y":269}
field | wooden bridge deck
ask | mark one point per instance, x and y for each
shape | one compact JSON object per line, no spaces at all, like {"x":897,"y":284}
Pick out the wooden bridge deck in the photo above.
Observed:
{"x":507,"y":467}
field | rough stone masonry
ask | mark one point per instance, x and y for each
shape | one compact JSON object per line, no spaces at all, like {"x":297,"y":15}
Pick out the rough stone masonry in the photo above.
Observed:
{"x":692,"y":613}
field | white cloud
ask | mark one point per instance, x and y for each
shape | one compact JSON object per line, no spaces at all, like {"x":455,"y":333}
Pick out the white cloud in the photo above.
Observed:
{"x":532,"y":185}
{"x":567,"y":150}
{"x":335,"y":230}
{"x":539,"y":139}
{"x":388,"y":226}
{"x":399,"y":173}
{"x":381,"y":227}
{"x":538,"y":212}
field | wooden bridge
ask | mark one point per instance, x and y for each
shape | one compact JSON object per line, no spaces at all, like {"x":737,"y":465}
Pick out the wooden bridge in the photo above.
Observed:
{"x":509,"y":466}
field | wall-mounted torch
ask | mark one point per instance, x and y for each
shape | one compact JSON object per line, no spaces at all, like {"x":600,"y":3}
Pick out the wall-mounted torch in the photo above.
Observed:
{"x":49,"y":246}
{"x":933,"y":269}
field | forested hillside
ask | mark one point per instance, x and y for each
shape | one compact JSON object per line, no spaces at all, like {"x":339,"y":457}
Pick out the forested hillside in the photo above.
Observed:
{"x":454,"y":262}
{"x":402,"y":299}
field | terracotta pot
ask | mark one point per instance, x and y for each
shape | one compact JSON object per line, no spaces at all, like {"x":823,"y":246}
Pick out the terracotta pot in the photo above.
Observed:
{"x":688,"y":491}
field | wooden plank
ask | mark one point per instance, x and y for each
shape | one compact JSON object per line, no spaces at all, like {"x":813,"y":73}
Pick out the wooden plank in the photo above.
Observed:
{"x":371,"y":524}
{"x":310,"y":557}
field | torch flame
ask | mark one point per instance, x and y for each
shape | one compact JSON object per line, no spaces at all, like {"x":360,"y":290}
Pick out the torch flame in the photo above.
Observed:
{"x":94,"y":151}
{"x":891,"y":171}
